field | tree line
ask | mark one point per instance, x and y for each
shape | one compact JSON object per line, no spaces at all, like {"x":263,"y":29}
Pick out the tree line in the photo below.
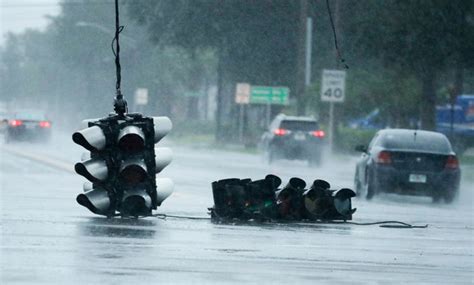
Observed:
{"x":404,"y":56}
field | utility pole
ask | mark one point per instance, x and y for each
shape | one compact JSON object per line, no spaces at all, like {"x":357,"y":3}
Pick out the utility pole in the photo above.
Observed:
{"x":220,"y":95}
{"x":332,"y":118}
{"x":301,"y":57}
{"x":309,"y":42}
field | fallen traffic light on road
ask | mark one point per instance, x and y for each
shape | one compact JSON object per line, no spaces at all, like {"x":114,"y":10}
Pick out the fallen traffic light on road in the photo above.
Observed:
{"x":243,"y":199}
{"x":321,"y":203}
{"x":123,"y":163}
{"x":289,"y":199}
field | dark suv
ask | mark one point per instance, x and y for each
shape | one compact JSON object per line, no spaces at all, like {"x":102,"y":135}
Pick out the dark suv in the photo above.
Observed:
{"x":291,"y":137}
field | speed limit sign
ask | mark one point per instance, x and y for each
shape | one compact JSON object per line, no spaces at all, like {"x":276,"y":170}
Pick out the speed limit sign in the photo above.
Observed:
{"x":333,"y":85}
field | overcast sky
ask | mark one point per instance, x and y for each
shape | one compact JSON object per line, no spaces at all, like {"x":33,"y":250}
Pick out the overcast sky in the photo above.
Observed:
{"x":18,"y":15}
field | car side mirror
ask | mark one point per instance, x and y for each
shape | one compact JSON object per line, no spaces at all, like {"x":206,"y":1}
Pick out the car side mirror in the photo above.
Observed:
{"x":361,"y":148}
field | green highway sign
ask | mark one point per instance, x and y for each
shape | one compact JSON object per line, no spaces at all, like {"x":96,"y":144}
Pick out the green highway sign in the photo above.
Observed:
{"x":269,"y":95}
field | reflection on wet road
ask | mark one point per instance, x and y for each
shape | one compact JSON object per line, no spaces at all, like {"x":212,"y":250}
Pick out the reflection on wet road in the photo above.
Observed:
{"x":47,"y":238}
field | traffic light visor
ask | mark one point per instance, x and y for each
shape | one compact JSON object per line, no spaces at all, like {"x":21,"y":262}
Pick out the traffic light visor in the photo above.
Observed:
{"x":162,"y":126}
{"x":94,"y":169}
{"x":92,"y":138}
{"x":164,"y":188}
{"x":163,"y":157}
{"x":96,"y":200}
{"x":136,"y":202}
{"x":131,"y":139}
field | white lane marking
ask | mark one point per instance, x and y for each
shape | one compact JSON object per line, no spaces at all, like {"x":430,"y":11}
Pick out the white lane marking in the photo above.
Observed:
{"x":61,"y":165}
{"x":55,"y":163}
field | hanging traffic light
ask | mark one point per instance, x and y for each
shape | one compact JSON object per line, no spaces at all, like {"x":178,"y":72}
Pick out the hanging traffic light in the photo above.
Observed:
{"x":123,"y":164}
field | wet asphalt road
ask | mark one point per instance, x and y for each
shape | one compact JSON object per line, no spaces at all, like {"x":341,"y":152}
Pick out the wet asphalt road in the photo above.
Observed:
{"x":47,"y":238}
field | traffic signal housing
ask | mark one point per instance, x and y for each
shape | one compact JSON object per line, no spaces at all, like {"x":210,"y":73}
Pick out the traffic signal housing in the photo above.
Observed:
{"x":244,"y":199}
{"x":123,"y":165}
{"x":321,"y":203}
{"x":289,"y":199}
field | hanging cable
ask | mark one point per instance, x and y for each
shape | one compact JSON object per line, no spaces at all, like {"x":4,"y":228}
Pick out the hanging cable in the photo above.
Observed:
{"x":120,"y":105}
{"x":340,"y":58}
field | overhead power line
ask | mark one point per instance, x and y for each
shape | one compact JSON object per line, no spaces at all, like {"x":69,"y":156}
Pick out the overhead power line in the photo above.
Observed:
{"x":54,"y":4}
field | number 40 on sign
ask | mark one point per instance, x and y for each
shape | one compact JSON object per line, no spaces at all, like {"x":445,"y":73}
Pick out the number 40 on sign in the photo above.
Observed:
{"x":333,"y":86}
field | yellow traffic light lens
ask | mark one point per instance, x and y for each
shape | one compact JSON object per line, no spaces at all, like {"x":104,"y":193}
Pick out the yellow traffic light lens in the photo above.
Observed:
{"x":133,"y":174}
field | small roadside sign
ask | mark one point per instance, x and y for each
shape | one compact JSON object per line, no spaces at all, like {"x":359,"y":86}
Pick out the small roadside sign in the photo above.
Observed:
{"x":141,"y":96}
{"x":242,"y":93}
{"x":333,"y":85}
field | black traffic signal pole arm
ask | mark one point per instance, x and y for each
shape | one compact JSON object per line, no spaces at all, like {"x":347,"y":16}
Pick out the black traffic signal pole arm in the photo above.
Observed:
{"x":120,"y":104}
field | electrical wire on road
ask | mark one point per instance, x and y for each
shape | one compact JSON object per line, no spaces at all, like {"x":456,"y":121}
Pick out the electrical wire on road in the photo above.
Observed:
{"x":382,"y":224}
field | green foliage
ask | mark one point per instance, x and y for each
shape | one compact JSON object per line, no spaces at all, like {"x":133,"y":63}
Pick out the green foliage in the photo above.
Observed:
{"x":417,"y":38}
{"x":256,"y":39}
{"x":391,"y":46}
{"x":467,"y":160}
{"x":70,"y":67}
{"x":349,"y":138}
{"x":193,"y":132}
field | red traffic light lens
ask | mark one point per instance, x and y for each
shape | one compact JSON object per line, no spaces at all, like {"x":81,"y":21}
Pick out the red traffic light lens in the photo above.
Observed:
{"x":132,"y":143}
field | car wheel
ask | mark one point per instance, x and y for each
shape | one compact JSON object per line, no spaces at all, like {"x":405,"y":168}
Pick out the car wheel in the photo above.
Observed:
{"x":436,"y":197}
{"x":370,"y":187}
{"x":357,"y":186}
{"x":450,"y":196}
{"x":269,"y":155}
{"x":314,"y":160}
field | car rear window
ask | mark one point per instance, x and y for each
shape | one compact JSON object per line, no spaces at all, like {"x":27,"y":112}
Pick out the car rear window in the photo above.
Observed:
{"x":295,"y":125}
{"x":417,"y":141}
{"x":35,"y":116}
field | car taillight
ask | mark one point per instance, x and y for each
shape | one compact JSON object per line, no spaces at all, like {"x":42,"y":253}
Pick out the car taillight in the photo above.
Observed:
{"x":45,"y":124}
{"x":384,"y":157}
{"x":318,"y":134}
{"x":16,"y":123}
{"x":452,"y":162}
{"x":280,"y":132}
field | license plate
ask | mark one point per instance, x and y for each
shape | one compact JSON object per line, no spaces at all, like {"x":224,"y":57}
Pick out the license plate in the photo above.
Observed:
{"x":30,"y":126}
{"x":417,"y":178}
{"x":300,"y":137}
